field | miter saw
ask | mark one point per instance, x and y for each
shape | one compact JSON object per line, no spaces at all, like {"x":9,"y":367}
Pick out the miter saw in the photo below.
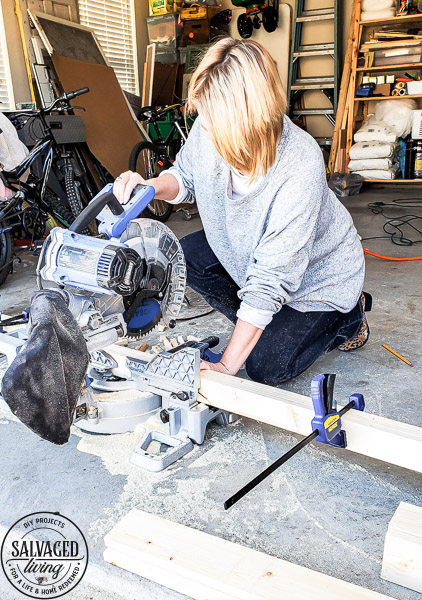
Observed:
{"x":123,"y":283}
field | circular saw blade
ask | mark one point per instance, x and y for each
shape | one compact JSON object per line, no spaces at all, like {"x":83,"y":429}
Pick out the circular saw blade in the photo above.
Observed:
{"x":166,"y":271}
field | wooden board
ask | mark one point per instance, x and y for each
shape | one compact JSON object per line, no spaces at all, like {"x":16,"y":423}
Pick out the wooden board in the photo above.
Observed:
{"x":377,"y":437}
{"x":111,"y":131}
{"x":352,"y":107}
{"x":390,"y":441}
{"x":164,"y":84}
{"x":402,"y":560}
{"x":64,"y":9}
{"x":205,"y":567}
{"x":148,"y":75}
{"x":341,"y":105}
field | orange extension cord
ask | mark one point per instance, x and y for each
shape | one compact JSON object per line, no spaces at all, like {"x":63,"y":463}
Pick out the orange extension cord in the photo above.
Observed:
{"x":366,"y":251}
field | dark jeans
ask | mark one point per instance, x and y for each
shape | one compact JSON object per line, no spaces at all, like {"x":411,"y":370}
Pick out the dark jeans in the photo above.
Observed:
{"x":293,"y":340}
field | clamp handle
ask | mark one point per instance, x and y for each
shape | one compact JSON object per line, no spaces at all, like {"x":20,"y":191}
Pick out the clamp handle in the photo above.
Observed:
{"x":327,"y":420}
{"x":204,"y":348}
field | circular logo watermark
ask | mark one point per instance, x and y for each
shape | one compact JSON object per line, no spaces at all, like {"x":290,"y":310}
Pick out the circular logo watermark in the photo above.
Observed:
{"x":44,"y":555}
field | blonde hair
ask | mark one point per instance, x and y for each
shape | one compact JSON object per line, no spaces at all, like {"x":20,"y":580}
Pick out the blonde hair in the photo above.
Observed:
{"x":237,"y":90}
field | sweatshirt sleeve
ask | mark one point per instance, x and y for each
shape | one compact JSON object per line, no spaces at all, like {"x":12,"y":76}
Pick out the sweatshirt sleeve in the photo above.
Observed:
{"x":283,"y":253}
{"x":182,"y":168}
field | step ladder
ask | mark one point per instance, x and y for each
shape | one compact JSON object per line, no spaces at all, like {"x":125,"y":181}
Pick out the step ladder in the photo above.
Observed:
{"x":327,"y":84}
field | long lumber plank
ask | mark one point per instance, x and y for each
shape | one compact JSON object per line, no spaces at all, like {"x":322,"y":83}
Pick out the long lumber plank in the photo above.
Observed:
{"x":384,"y":439}
{"x":205,"y":567}
{"x":344,"y":88}
{"x":402,"y":560}
{"x":390,"y":441}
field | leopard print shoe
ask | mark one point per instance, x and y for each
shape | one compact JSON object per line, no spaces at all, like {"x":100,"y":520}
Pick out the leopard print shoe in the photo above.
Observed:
{"x":363,"y":335}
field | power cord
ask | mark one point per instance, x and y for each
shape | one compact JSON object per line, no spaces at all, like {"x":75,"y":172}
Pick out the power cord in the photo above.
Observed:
{"x":397,"y":228}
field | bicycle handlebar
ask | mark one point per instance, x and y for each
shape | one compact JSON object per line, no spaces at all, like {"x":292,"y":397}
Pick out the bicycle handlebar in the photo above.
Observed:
{"x":150,"y":113}
{"x":64,"y":98}
{"x":71,"y":95}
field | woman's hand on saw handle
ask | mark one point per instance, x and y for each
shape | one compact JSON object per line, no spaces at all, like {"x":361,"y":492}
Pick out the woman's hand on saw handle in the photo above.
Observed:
{"x":125,"y":184}
{"x":166,"y":187}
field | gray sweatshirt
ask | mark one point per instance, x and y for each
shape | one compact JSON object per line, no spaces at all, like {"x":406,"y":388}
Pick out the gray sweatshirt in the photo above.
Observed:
{"x":288,"y":241}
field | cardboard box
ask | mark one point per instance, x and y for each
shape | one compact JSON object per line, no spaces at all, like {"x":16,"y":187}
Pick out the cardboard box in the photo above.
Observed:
{"x":199,"y":12}
{"x":195,"y":32}
{"x":160,"y":7}
{"x":383,"y":89}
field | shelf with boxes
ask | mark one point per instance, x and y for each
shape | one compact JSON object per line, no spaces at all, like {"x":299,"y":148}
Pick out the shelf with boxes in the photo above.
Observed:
{"x":181,"y":38}
{"x":386,"y":66}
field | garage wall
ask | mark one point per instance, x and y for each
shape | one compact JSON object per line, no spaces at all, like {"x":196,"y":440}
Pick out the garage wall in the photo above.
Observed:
{"x":315,"y":32}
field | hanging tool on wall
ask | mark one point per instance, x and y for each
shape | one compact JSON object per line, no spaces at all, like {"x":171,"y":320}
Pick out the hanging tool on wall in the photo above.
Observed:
{"x":326,"y":428}
{"x":250,"y":20}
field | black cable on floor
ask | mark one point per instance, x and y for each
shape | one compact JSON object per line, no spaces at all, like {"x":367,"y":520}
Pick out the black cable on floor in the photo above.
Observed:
{"x":397,"y":228}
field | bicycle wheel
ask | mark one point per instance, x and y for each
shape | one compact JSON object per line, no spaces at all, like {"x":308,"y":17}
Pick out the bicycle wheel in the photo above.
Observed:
{"x":147,"y":160}
{"x":6,"y":250}
{"x":72,"y":192}
{"x":58,"y":209}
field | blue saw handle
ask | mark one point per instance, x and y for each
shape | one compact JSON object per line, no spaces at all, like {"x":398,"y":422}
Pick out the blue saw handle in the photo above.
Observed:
{"x":113,"y":226}
{"x":94,"y":207}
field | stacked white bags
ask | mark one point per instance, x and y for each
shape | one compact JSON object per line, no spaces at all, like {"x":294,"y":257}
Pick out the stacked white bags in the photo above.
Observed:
{"x":373,"y":155}
{"x":378,"y":9}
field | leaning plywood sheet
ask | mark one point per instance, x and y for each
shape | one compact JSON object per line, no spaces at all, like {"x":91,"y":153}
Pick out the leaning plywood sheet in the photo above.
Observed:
{"x":111,"y":131}
{"x":402,"y":560}
{"x":390,"y":441}
{"x":206,"y":567}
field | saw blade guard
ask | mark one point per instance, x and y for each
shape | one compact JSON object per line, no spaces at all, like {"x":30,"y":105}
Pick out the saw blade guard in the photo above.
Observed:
{"x":162,"y":252}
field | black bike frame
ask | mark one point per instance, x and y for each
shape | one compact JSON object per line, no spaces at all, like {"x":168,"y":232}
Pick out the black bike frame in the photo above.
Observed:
{"x":160,"y":141}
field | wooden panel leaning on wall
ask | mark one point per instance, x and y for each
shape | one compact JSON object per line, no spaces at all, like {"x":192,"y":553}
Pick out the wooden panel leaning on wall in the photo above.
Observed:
{"x":111,"y":131}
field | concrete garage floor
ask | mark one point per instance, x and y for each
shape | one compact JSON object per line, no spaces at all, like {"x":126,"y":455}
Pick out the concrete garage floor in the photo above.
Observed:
{"x":325,"y":509}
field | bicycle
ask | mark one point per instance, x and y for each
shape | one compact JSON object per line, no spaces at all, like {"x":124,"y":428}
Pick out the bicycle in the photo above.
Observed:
{"x":149,"y":158}
{"x":33,"y":202}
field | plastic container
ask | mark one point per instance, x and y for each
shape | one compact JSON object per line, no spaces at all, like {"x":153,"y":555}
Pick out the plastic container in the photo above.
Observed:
{"x":167,"y":57}
{"x":164,"y":30}
{"x":418,"y":160}
{"x":414,"y":87}
{"x":182,"y":55}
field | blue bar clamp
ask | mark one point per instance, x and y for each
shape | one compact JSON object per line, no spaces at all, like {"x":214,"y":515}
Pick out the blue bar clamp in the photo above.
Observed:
{"x":326,"y":428}
{"x":327,"y":421}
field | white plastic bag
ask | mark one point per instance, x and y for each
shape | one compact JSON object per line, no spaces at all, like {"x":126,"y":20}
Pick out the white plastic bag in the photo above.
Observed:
{"x":364,"y":150}
{"x":12,"y":150}
{"x":390,"y":173}
{"x":376,"y":5}
{"x":396,"y":113}
{"x":373,"y":130}
{"x":380,"y":14}
{"x":370,"y":163}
